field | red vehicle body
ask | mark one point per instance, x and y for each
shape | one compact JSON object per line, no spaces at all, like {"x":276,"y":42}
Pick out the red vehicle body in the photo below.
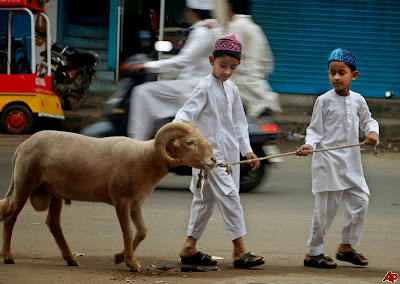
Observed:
{"x":26,"y":97}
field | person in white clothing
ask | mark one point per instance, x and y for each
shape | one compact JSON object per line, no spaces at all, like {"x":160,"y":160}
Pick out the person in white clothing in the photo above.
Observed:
{"x":338,"y":174}
{"x":162,"y":99}
{"x":257,"y":61}
{"x":216,"y":109}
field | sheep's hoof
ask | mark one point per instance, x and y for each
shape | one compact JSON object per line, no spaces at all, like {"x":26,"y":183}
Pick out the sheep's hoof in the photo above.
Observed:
{"x":9,"y":260}
{"x":134,"y":265}
{"x":71,"y":261}
{"x":119,"y":257}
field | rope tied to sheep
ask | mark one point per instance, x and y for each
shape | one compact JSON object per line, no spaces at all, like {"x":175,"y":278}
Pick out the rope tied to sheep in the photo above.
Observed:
{"x":228,"y":165}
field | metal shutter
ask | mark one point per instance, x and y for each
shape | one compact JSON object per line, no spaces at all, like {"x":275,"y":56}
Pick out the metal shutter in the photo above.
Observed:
{"x":303,"y":33}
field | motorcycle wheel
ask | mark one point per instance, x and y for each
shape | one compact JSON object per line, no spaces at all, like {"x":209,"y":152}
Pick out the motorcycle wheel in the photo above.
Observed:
{"x":250,"y":179}
{"x":74,"y":100}
{"x":17,"y":119}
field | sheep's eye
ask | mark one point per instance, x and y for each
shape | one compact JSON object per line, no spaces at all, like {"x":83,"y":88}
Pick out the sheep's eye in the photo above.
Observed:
{"x":190,"y":142}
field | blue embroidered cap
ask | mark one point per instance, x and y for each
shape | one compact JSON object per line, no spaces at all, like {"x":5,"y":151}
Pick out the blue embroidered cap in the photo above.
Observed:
{"x":342,"y":55}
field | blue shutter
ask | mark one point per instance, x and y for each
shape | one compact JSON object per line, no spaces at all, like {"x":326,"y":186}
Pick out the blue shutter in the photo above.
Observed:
{"x":302,"y":33}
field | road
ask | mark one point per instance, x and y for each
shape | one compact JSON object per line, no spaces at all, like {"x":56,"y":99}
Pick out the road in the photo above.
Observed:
{"x":278,"y":216}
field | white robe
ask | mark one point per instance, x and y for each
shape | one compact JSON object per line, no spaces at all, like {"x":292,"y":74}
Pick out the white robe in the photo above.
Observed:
{"x":336,"y":121}
{"x":256,"y":64}
{"x":192,"y":60}
{"x":216,"y":109}
{"x":162,"y":99}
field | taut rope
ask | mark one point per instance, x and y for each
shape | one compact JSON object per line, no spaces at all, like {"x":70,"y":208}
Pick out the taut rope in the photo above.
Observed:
{"x":228,"y":165}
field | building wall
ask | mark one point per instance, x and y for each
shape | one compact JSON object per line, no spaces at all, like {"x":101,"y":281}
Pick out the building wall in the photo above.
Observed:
{"x":302,"y":33}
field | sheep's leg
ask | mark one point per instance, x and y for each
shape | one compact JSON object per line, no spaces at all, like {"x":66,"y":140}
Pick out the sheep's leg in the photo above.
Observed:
{"x":53,"y":222}
{"x":123,"y":217}
{"x":136,"y":216}
{"x":8,"y":226}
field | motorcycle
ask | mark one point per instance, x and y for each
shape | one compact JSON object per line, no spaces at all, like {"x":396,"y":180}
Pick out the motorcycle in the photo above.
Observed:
{"x":262,"y":131}
{"x":72,"y":73}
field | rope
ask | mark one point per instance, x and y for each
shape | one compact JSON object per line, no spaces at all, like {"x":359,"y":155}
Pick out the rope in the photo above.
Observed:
{"x":228,"y":165}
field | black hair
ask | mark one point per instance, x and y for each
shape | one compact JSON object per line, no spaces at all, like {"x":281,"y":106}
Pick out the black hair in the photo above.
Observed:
{"x":351,"y":66}
{"x":222,"y":53}
{"x":203,"y":14}
{"x":240,"y":6}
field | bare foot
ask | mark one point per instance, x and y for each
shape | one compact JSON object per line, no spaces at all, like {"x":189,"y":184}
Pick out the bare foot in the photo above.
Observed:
{"x":237,"y":256}
{"x":345,"y":248}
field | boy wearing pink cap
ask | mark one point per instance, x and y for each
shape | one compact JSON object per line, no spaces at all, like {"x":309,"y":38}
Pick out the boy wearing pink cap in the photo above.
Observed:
{"x":217,"y":111}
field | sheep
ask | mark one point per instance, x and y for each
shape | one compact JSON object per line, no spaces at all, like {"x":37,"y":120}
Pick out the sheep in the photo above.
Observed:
{"x":52,"y":165}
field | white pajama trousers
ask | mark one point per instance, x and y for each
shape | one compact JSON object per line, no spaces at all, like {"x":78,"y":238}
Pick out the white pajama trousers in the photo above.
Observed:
{"x":326,"y":206}
{"x":229,"y":205}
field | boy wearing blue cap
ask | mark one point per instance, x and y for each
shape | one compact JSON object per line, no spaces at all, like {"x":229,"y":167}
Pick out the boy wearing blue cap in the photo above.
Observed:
{"x":338,"y":175}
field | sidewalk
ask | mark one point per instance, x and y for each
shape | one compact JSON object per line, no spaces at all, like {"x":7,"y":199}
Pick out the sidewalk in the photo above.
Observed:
{"x":297,"y":110}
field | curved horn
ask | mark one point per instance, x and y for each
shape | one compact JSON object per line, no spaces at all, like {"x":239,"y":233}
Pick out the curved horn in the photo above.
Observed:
{"x":170,"y":131}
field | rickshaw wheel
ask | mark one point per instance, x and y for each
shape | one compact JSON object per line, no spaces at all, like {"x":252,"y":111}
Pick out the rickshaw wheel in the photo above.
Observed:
{"x":17,"y":119}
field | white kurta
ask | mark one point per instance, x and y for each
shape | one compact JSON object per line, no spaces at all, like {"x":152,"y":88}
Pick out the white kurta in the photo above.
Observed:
{"x":192,"y":60}
{"x":162,"y":99}
{"x":336,"y":121}
{"x":256,"y":64}
{"x":216,"y":109}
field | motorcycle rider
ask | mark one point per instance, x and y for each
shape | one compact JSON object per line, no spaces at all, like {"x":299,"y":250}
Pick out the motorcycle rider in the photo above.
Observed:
{"x":162,"y":99}
{"x":256,"y":64}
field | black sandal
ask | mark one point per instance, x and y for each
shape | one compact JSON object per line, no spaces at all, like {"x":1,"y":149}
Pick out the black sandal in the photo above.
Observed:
{"x":247,"y":261}
{"x":199,"y":258}
{"x":319,"y":261}
{"x":352,"y":257}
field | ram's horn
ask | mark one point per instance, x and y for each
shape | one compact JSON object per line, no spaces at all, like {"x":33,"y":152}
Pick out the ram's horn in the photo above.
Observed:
{"x":168,"y":132}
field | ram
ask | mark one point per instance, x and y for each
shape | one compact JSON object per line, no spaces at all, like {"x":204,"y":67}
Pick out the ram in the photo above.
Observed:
{"x":51,"y":166}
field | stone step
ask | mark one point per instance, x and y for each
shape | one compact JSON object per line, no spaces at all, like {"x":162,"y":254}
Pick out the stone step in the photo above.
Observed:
{"x":292,"y":123}
{"x":303,"y":105}
{"x":104,"y":75}
{"x":102,"y":66}
{"x":103,"y":85}
{"x":93,"y":44}
{"x":91,"y":32}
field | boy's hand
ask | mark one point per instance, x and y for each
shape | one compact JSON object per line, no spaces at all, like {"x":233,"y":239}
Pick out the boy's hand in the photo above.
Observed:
{"x":303,"y":150}
{"x":371,"y":139}
{"x":131,"y":67}
{"x":254,"y":165}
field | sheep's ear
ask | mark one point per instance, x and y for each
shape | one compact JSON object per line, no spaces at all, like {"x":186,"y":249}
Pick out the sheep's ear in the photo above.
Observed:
{"x":172,"y":162}
{"x":175,"y":143}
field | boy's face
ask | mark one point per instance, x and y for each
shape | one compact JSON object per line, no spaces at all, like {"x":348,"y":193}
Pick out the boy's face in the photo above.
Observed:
{"x":340,"y":77}
{"x":223,"y":67}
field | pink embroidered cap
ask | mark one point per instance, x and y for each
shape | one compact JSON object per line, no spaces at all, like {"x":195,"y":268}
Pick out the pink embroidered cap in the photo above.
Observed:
{"x":229,"y":43}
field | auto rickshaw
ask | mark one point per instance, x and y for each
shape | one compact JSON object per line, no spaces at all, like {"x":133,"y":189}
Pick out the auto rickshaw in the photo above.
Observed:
{"x":24,"y":96}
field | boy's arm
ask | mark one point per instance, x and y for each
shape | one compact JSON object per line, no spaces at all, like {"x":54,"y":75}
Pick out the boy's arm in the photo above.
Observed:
{"x":192,"y":107}
{"x":315,"y":131}
{"x":368,"y":125}
{"x":241,"y":126}
{"x":200,"y":38}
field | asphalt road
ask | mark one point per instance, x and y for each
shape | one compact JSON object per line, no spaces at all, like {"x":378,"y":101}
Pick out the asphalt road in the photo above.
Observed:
{"x":278,"y":216}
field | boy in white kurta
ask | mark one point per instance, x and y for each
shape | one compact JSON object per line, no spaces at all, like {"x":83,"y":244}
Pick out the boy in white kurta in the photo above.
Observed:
{"x":217,"y":111}
{"x":337,"y":117}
